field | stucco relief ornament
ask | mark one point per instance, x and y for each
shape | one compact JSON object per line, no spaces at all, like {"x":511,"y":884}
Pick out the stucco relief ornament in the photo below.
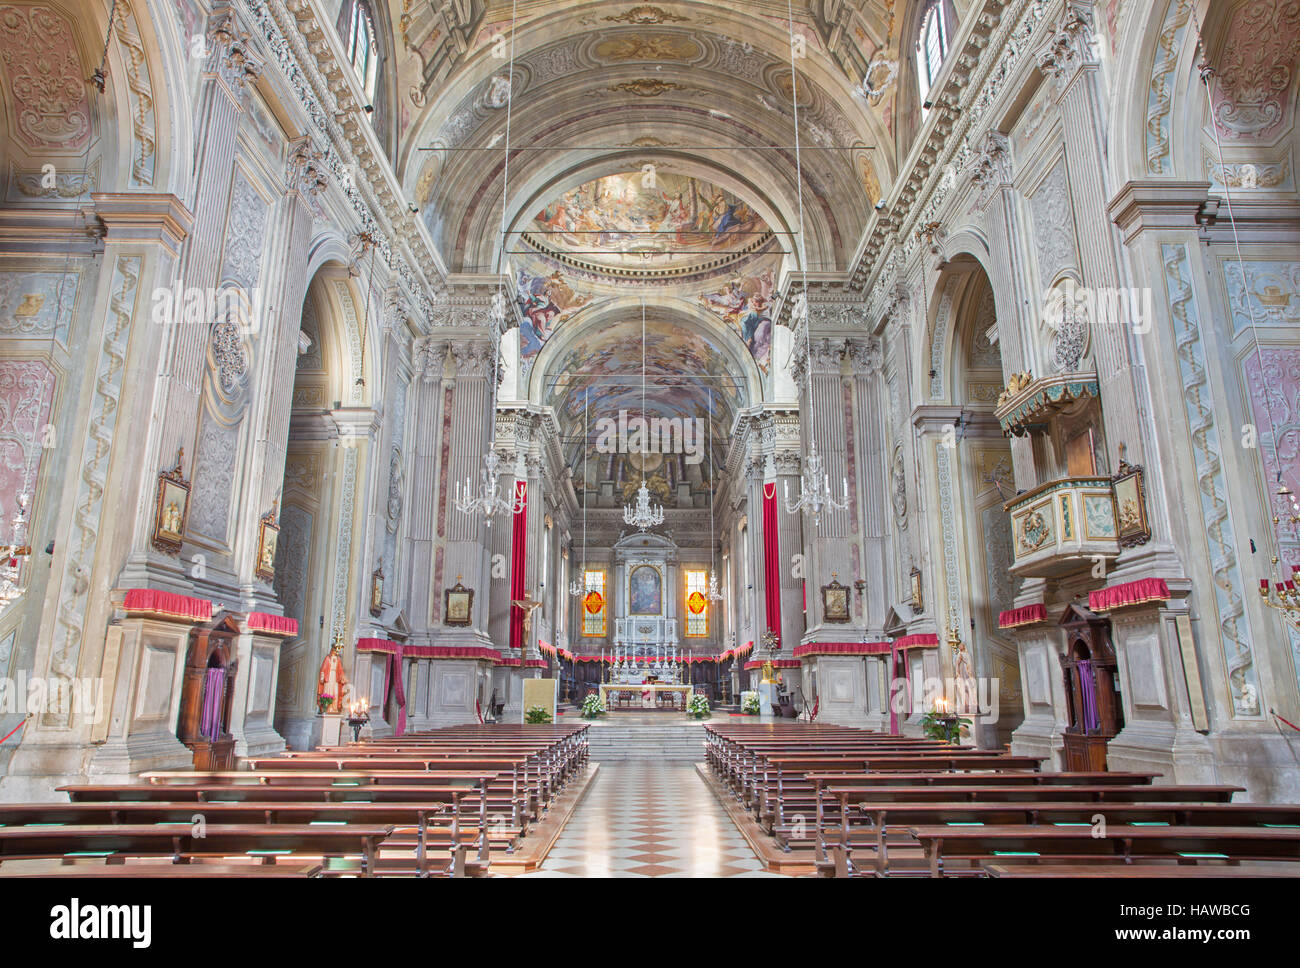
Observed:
{"x":1072,"y":45}
{"x":1067,"y":317}
{"x":877,"y":80}
{"x":233,"y":58}
{"x":228,"y":356}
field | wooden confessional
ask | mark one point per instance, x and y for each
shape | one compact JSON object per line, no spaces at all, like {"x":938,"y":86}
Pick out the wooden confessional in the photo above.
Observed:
{"x":1090,"y":669}
{"x":207,"y":695}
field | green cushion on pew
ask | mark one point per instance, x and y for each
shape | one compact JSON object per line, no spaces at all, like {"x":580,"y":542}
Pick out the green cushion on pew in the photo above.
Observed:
{"x":1150,"y":823}
{"x":1213,"y":856}
{"x":259,"y":853}
{"x":1016,"y":853}
{"x":90,"y":853}
{"x":327,"y":823}
{"x":965,"y":823}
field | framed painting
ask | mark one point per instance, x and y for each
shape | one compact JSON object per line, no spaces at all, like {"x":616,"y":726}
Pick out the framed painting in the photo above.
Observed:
{"x":835,"y":601}
{"x":377,"y":591}
{"x":458,"y":604}
{"x":1130,"y":494}
{"x":268,"y":536}
{"x":645,"y":593}
{"x":172,"y":509}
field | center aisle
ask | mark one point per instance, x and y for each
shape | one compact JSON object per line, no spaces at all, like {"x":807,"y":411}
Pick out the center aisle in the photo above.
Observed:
{"x":647,"y":819}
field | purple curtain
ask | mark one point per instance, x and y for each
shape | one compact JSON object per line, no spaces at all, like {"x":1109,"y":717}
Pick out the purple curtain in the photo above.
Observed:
{"x":214,"y":699}
{"x":1088,"y":693}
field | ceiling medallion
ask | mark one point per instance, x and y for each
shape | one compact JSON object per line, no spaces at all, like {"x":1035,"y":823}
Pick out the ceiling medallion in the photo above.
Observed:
{"x":648,"y":87}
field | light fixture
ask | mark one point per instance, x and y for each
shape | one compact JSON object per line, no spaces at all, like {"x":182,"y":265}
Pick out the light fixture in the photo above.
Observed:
{"x":490,"y":499}
{"x":578,"y":585}
{"x":714,"y":594}
{"x":14,"y":554}
{"x":815,"y":489}
{"x":642,"y":516}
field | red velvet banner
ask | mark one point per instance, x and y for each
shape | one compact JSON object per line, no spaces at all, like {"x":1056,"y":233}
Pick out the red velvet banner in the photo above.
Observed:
{"x":518,"y":560}
{"x":776,"y":664}
{"x":842,"y":648}
{"x":151,"y":601}
{"x":1016,"y":617}
{"x":1129,"y":593}
{"x":771,"y":559}
{"x":274,"y":624}
{"x":921,"y":640}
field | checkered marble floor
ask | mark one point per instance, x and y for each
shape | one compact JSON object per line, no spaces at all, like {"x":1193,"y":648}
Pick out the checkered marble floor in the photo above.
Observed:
{"x":645,"y":819}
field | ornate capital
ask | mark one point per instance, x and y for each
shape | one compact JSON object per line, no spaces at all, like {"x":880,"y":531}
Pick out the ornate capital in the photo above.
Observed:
{"x":472,"y":357}
{"x":991,"y":167}
{"x":428,"y":356}
{"x":233,"y":57}
{"x":864,"y":354}
{"x":1072,"y":45}
{"x":306,"y":171}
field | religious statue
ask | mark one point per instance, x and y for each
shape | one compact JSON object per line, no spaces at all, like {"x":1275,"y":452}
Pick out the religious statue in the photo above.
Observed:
{"x":332,"y":679}
{"x":964,"y":671}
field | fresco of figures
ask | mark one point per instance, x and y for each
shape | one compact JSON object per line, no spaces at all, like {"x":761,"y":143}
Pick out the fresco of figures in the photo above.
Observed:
{"x":607,"y":219}
{"x":745,"y":303}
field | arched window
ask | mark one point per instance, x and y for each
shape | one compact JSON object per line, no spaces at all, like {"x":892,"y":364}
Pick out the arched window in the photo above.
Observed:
{"x":931,"y":48}
{"x":362,"y":51}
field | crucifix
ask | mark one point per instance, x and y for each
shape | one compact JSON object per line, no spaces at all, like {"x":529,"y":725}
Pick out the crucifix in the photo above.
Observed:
{"x":527,"y":606}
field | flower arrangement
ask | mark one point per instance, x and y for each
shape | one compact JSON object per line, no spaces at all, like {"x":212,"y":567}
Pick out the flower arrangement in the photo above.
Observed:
{"x":749,"y":705}
{"x":698,"y":706}
{"x":592,"y":707}
{"x":944,"y":726}
{"x":537,"y":715}
{"x":323,"y":703}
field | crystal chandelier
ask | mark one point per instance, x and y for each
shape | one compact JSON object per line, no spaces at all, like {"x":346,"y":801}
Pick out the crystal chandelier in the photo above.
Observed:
{"x":643,"y":516}
{"x":1285,"y":599}
{"x":815,"y":489}
{"x":490,"y":499}
{"x":578,"y":585}
{"x":714,"y":595}
{"x":12,"y":555}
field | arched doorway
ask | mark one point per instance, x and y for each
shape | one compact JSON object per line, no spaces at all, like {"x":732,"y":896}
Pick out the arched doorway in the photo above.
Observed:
{"x":984,"y":479}
{"x":313,"y":576}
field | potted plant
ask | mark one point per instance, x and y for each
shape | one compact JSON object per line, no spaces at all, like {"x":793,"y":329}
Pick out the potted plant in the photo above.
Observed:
{"x":698,"y":707}
{"x":944,"y":726}
{"x":537,"y":715}
{"x":749,"y":705}
{"x":323,"y":702}
{"x":592,"y":707}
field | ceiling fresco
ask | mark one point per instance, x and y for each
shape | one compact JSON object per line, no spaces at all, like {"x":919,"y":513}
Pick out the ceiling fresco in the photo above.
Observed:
{"x":648,"y":219}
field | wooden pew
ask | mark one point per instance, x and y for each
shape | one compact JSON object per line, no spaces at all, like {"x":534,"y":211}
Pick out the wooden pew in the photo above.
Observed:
{"x":1186,"y":844}
{"x":119,"y":841}
{"x":397,"y":814}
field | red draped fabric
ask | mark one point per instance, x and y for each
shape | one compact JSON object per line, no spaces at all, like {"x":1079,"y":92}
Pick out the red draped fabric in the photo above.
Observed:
{"x":921,"y":640}
{"x":771,"y":559}
{"x":151,"y":601}
{"x":776,"y":664}
{"x":1129,"y":593}
{"x":518,"y":559}
{"x":842,"y":648}
{"x":1016,"y":617}
{"x":274,"y":624}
